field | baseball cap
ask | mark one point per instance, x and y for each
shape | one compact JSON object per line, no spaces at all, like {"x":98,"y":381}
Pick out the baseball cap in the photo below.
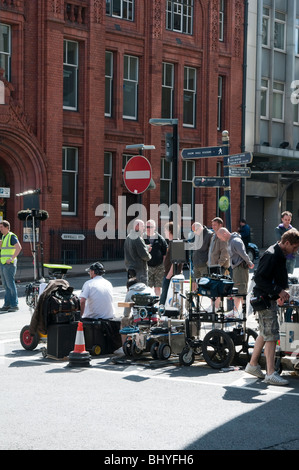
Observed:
{"x":97,"y":267}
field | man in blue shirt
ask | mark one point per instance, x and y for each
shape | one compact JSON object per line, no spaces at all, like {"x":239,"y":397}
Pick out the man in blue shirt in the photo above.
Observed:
{"x":286,"y":219}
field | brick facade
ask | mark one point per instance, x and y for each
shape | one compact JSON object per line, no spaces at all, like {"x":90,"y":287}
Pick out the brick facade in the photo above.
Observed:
{"x":34,"y":127}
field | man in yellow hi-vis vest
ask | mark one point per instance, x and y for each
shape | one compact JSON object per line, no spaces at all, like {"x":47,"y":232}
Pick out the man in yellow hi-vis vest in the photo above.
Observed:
{"x":10,"y":248}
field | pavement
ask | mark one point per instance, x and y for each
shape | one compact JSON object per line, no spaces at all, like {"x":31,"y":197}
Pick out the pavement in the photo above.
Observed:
{"x":25,"y":269}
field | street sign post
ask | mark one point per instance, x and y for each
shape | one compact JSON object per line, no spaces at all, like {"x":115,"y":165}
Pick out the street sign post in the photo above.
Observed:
{"x":205,"y":152}
{"x":240,"y":158}
{"x":239,"y":172}
{"x":228,"y":170}
{"x":137,"y":174}
{"x":210,"y":182}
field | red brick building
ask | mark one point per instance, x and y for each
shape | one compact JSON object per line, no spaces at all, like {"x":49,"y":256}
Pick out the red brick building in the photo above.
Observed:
{"x":80,"y":80}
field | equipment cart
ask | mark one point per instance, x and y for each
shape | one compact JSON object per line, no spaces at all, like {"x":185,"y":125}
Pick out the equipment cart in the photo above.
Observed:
{"x":287,"y":353}
{"x":32,"y":292}
{"x":228,"y":339}
{"x":150,"y":332}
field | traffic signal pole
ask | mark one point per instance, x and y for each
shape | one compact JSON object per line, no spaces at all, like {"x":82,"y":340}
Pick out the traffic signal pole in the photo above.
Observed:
{"x":175,"y":164}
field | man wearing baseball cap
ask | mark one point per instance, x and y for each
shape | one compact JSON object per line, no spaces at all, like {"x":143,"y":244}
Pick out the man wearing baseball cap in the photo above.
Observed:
{"x":96,"y":297}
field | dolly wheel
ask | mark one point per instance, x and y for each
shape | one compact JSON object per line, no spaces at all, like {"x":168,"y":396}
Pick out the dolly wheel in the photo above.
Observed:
{"x":218,"y":349}
{"x":187,"y":357}
{"x":164,"y":351}
{"x":136,"y":351}
{"x":27,"y":341}
{"x":96,"y":350}
{"x":154,"y":350}
{"x":127,"y":347}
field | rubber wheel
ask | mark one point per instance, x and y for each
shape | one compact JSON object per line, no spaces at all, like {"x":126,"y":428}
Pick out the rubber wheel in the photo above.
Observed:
{"x":27,"y":341}
{"x":96,"y":350}
{"x":218,"y":349}
{"x":127,"y":347}
{"x":135,"y":351}
{"x":164,"y":351}
{"x":251,"y":254}
{"x":154,"y":350}
{"x":243,"y":355}
{"x":186,"y":357}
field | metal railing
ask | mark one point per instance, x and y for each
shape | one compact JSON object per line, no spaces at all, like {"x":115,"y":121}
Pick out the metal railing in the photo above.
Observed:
{"x":82,"y":246}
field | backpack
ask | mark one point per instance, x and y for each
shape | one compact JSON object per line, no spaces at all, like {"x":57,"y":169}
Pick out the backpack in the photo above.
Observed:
{"x":62,"y":305}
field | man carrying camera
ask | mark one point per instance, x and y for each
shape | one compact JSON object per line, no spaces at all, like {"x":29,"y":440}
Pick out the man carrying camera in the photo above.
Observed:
{"x":271,"y":281}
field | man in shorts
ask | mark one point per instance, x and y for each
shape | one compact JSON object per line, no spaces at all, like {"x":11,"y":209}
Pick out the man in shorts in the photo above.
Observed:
{"x":271,"y":282}
{"x":157,"y":247}
{"x":202,"y":238}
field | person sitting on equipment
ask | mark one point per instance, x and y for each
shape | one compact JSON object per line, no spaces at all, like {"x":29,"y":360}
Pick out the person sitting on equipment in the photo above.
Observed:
{"x":96,"y":297}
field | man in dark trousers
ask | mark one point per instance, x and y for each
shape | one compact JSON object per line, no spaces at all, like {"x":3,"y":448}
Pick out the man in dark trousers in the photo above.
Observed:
{"x":136,"y":253}
{"x":271,"y":282}
{"x":286,"y":219}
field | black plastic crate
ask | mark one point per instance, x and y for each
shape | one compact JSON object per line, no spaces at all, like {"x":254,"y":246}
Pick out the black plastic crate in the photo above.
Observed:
{"x":61,"y":339}
{"x":101,"y":336}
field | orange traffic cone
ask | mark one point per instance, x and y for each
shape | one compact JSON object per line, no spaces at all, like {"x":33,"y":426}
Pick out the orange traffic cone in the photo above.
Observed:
{"x":79,"y":356}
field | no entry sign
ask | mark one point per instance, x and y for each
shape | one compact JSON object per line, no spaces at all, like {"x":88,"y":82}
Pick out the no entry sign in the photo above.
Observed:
{"x":137,"y":174}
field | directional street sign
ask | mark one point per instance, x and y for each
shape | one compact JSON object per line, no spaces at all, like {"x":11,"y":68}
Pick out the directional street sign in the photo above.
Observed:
{"x":240,"y":158}
{"x":239,"y":172}
{"x":137,"y":174}
{"x":205,"y":152}
{"x":210,"y":182}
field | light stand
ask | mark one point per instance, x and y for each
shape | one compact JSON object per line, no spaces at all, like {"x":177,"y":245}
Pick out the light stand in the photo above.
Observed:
{"x":33,"y":215}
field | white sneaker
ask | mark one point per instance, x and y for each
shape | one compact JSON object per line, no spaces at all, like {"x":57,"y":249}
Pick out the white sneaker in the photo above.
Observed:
{"x":275,"y":379}
{"x":255,"y":370}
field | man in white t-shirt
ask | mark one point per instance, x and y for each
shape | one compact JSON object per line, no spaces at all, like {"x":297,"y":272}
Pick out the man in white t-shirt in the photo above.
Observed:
{"x":96,"y":298}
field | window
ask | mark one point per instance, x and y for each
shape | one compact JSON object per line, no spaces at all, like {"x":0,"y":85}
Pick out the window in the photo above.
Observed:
{"x":167,"y":90}
{"x":179,"y":16}
{"x":264,"y":98}
{"x":278,"y":101}
{"x":130,"y":87}
{"x":297,"y":37}
{"x":70,"y":75}
{"x":221,"y":20}
{"x":188,"y":172}
{"x":108,"y":178}
{"x":189,"y":97}
{"x":120,"y":9}
{"x":108,"y":83}
{"x":165,"y":182}
{"x":279,"y":31}
{"x":69,"y":180}
{"x":266,"y":28}
{"x":5,"y":49}
{"x":220,"y":103}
